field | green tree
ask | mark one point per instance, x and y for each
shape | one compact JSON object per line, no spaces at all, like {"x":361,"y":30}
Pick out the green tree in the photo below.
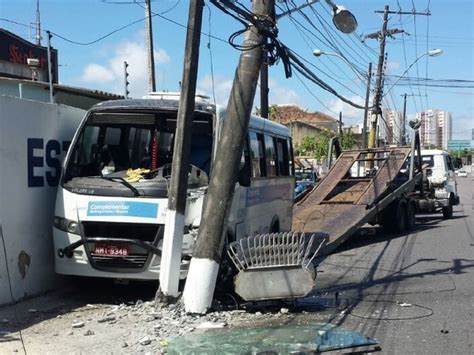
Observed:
{"x":315,"y":145}
{"x":348,"y":140}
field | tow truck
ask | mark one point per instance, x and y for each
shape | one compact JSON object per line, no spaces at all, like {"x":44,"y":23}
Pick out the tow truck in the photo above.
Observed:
{"x":385,"y":186}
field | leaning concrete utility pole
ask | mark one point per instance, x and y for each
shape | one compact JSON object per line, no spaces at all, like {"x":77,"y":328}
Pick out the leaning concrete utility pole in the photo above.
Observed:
{"x":202,"y":275}
{"x":174,"y":227}
{"x":149,"y":42}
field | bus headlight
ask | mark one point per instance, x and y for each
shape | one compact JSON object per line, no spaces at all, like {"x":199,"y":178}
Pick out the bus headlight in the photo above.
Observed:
{"x":66,"y":225}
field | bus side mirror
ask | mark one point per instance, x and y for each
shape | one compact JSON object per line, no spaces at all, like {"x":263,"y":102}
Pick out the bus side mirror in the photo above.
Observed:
{"x":244,"y":175}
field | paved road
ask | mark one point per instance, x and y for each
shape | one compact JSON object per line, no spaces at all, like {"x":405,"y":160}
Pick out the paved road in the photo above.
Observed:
{"x":413,"y":292}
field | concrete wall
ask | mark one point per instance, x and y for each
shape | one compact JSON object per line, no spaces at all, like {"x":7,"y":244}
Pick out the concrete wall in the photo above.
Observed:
{"x":40,"y":92}
{"x":33,"y":140}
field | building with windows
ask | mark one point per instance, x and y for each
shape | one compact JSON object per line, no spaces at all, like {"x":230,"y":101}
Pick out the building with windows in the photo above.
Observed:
{"x":392,"y":127}
{"x":435,"y":128}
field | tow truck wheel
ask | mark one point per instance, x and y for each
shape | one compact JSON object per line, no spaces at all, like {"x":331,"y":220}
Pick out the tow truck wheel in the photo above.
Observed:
{"x":394,"y":217}
{"x":410,"y":215}
{"x":401,"y":217}
{"x":448,"y":210}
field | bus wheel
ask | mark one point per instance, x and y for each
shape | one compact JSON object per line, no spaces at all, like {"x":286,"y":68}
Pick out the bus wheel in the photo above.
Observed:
{"x":448,"y":210}
{"x":275,"y":228}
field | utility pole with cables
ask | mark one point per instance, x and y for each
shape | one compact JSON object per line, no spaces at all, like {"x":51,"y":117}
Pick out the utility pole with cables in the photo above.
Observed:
{"x":149,"y":42}
{"x":376,"y":111}
{"x":381,"y":36}
{"x":174,"y":226}
{"x":204,"y":267}
{"x":366,"y":109}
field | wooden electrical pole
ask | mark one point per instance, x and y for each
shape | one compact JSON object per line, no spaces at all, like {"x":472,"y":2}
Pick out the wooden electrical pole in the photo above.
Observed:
{"x":202,"y":275}
{"x":174,"y":227}
{"x":366,"y":109}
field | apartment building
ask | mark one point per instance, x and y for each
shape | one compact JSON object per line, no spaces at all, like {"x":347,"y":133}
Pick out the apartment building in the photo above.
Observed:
{"x":435,"y":129}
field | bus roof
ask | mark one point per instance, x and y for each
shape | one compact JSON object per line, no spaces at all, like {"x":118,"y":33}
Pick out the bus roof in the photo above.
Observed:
{"x":172,"y":103}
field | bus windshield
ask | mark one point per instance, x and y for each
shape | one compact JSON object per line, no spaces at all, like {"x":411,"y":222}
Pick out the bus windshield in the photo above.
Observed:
{"x":112,"y":146}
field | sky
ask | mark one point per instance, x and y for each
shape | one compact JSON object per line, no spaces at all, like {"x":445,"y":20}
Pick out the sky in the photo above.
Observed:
{"x":88,"y":61}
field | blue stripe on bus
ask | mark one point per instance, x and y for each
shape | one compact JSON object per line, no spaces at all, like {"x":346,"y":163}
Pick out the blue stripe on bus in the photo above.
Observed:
{"x":122,"y":209}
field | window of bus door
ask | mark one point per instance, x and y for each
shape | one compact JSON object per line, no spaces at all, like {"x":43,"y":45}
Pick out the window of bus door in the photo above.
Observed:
{"x":255,"y":154}
{"x":270,"y":161}
{"x":283,"y":167}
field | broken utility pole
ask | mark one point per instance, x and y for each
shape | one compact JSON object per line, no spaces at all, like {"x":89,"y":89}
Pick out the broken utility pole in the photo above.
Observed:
{"x":204,"y":267}
{"x":174,"y":227}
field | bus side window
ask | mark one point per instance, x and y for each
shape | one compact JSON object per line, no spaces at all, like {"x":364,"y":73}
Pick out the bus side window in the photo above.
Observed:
{"x":254,"y":154}
{"x":261,"y":154}
{"x":290,"y":157}
{"x":270,"y":156}
{"x":283,"y":168}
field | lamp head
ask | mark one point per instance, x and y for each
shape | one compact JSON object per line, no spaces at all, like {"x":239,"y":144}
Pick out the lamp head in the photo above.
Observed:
{"x":343,"y":19}
{"x":318,"y":52}
{"x":435,"y":52}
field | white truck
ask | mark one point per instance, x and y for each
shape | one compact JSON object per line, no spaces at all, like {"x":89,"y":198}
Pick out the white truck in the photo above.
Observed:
{"x":440,"y":182}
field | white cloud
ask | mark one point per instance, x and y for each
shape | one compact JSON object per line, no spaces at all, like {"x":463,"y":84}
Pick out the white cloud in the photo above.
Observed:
{"x":350,"y":114}
{"x":110,"y":75}
{"x":222,"y":86}
{"x":96,"y":73}
{"x":281,"y":95}
{"x":392,"y":66}
{"x":278,"y":94}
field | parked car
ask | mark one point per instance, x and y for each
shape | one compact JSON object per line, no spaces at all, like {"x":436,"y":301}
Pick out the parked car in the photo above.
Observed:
{"x":306,"y":178}
{"x":462,"y":173}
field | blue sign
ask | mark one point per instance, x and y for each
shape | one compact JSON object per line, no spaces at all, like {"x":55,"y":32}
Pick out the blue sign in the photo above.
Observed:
{"x":459,"y":144}
{"x":122,"y":209}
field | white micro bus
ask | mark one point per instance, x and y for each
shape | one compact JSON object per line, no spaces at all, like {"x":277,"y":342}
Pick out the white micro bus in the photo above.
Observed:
{"x":113,"y":194}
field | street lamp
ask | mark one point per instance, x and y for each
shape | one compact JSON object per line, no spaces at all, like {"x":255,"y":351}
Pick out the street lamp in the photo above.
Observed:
{"x":319,"y":53}
{"x":342,"y":18}
{"x":431,"y":53}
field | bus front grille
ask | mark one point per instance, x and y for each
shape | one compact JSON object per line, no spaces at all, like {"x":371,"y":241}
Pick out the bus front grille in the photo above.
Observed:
{"x":137,"y":258}
{"x":141,"y":231}
{"x":135,"y":261}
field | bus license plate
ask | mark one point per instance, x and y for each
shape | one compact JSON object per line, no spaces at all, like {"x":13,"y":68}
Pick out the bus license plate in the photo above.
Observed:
{"x":111,"y":250}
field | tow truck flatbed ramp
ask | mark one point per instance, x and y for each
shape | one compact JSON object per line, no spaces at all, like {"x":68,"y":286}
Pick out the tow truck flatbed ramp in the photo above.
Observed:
{"x":357,"y":189}
{"x":341,"y":203}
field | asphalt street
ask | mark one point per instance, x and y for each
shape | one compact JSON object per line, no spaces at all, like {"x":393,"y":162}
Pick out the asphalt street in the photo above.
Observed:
{"x":412,"y":292}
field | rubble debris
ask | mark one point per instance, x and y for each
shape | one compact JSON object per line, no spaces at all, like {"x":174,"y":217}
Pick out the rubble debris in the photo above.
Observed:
{"x":145,"y":341}
{"x":106,"y":319}
{"x":77,"y":324}
{"x":211,"y":325}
